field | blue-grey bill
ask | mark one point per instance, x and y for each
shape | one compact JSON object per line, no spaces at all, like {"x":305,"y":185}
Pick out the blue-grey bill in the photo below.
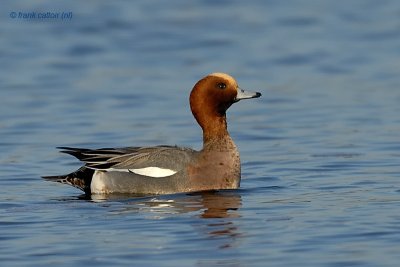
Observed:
{"x":242,"y":94}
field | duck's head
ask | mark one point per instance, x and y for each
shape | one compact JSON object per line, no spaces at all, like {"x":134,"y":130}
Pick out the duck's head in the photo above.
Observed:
{"x":213,"y":95}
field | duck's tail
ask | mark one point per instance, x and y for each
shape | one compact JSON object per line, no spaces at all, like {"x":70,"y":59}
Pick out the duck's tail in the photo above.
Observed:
{"x":80,"y":179}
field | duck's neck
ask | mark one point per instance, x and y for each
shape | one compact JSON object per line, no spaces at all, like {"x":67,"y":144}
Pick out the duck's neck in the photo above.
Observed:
{"x":215,"y":134}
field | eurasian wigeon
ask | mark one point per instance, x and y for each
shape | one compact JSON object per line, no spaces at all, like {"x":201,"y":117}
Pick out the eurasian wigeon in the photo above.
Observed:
{"x":170,"y":169}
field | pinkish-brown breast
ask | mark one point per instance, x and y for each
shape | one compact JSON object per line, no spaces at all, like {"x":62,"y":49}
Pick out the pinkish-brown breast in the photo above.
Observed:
{"x":215,"y":168}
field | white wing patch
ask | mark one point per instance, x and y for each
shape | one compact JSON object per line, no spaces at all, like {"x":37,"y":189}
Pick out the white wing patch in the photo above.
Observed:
{"x":148,"y":171}
{"x":104,"y":184}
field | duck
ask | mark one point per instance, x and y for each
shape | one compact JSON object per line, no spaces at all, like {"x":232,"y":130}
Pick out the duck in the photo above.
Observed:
{"x":166,"y":169}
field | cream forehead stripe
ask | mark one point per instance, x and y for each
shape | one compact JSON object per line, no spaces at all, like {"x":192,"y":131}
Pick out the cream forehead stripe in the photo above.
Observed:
{"x":224,"y":76}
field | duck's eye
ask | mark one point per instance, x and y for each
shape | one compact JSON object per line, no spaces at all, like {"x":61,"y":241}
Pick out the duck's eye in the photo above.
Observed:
{"x":221,"y":85}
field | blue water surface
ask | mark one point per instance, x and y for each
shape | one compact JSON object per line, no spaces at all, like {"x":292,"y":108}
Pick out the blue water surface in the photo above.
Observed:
{"x":320,"y":149}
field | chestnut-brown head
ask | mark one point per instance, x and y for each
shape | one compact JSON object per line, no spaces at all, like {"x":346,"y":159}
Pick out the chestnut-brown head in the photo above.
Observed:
{"x":211,"y":97}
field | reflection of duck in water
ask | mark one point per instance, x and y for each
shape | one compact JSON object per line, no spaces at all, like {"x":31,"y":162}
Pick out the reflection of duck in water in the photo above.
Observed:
{"x":208,"y":217}
{"x":213,"y":204}
{"x":217,"y":210}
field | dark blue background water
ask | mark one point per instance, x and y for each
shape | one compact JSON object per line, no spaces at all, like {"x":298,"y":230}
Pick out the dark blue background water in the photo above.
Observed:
{"x":320,"y":150}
